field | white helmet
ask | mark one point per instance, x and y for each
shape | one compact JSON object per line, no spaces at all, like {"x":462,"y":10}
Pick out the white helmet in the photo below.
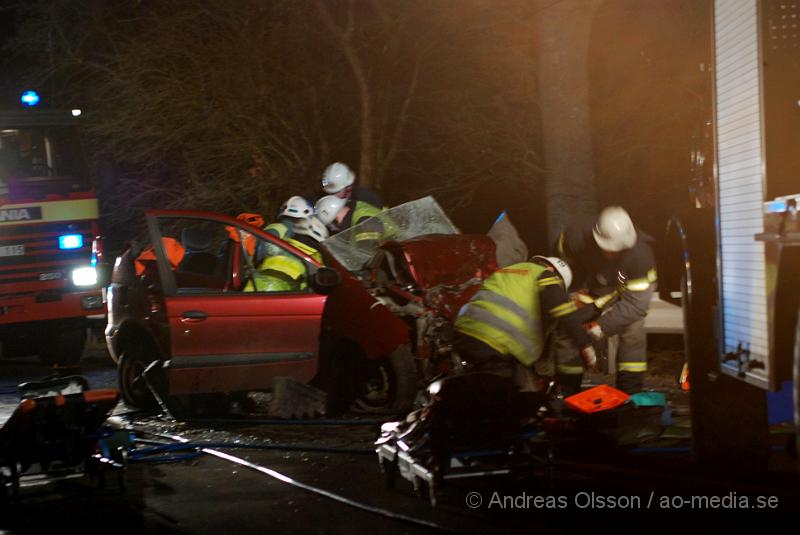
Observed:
{"x":327,"y":208}
{"x":297,"y":207}
{"x":561,"y":267}
{"x":336,"y":177}
{"x":311,"y":226}
{"x":614,"y":231}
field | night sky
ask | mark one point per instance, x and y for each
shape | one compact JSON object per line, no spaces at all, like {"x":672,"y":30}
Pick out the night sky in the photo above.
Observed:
{"x":648,"y":91}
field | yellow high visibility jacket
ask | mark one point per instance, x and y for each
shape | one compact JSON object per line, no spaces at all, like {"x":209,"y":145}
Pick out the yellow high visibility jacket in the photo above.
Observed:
{"x":310,"y":251}
{"x":282,"y":272}
{"x":384,"y":227}
{"x":278,"y":229}
{"x":506,"y":314}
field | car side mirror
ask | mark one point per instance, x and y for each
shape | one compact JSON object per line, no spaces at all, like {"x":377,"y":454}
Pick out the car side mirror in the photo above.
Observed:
{"x":325,"y":280}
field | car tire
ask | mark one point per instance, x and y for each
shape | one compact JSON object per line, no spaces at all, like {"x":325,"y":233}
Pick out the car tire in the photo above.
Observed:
{"x":387,"y":385}
{"x":132,"y":363}
{"x":63,"y":347}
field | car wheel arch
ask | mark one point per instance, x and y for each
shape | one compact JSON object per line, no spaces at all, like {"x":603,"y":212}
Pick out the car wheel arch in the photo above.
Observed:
{"x":340,"y":369}
{"x":131,"y":334}
{"x":137,"y":348}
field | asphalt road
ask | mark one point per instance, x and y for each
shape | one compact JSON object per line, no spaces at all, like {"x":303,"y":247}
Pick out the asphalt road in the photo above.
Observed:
{"x":213,"y":495}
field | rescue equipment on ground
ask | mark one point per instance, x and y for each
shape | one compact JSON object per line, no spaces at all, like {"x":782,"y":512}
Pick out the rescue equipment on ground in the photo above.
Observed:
{"x":599,"y":398}
{"x":478,"y":425}
{"x":57,"y":432}
{"x":475,"y":425}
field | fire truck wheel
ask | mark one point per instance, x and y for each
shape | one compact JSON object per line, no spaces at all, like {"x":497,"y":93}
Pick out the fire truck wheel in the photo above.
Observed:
{"x":387,"y":385}
{"x":63,"y":347}
{"x":132,"y":363}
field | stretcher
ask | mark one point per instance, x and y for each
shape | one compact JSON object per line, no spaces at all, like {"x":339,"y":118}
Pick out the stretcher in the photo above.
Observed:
{"x":478,"y":425}
{"x":56,"y":436}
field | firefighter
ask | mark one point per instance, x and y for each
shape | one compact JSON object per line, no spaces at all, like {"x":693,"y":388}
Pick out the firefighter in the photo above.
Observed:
{"x":284,"y":272}
{"x":339,"y":180}
{"x":308,"y":233}
{"x":330,"y":210}
{"x":615,"y":266}
{"x":295,"y":208}
{"x":360,"y":204}
{"x":247,"y":239}
{"x":502,"y":329}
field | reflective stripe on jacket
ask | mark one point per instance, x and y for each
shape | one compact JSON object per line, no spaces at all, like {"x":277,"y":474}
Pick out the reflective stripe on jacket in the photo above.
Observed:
{"x":505,"y":313}
{"x":281,"y":230}
{"x":278,"y":273}
{"x":386,"y":229}
{"x":310,"y":251}
{"x":283,"y":272}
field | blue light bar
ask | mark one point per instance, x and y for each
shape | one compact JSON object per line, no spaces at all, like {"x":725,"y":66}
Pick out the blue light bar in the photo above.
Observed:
{"x":776,"y":206}
{"x":70,"y":241}
{"x":30,"y":98}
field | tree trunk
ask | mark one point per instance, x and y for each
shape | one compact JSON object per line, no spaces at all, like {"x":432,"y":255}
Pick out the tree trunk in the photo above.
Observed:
{"x":343,"y":37}
{"x":563,"y":33}
{"x":366,"y":174}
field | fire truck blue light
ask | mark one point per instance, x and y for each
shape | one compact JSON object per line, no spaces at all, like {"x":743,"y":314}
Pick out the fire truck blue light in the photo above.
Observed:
{"x":70,"y":241}
{"x":30,"y":98}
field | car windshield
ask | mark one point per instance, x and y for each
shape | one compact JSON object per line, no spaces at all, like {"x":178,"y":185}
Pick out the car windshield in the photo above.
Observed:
{"x":403,"y":222}
{"x":40,"y":162}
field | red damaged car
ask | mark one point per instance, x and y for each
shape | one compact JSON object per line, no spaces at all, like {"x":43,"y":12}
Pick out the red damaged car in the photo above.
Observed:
{"x":368,"y":327}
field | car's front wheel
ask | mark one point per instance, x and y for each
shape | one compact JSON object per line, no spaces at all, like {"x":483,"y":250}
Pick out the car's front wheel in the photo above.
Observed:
{"x":387,"y":385}
{"x":132,"y":362}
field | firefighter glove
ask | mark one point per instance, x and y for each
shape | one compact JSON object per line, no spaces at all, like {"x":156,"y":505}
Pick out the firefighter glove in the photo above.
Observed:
{"x":589,"y":357}
{"x":595,"y":331}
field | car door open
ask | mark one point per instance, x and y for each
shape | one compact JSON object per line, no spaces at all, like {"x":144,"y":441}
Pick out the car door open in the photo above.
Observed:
{"x":235,"y":320}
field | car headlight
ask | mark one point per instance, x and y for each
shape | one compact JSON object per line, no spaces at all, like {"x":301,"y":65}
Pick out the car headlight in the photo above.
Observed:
{"x":85,"y":276}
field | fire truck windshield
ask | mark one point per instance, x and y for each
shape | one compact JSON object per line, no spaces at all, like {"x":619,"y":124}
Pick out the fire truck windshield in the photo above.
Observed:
{"x":38,"y":163}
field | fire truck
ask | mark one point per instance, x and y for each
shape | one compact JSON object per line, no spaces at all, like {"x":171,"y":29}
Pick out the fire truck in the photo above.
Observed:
{"x":736,"y":248}
{"x":49,"y":288}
